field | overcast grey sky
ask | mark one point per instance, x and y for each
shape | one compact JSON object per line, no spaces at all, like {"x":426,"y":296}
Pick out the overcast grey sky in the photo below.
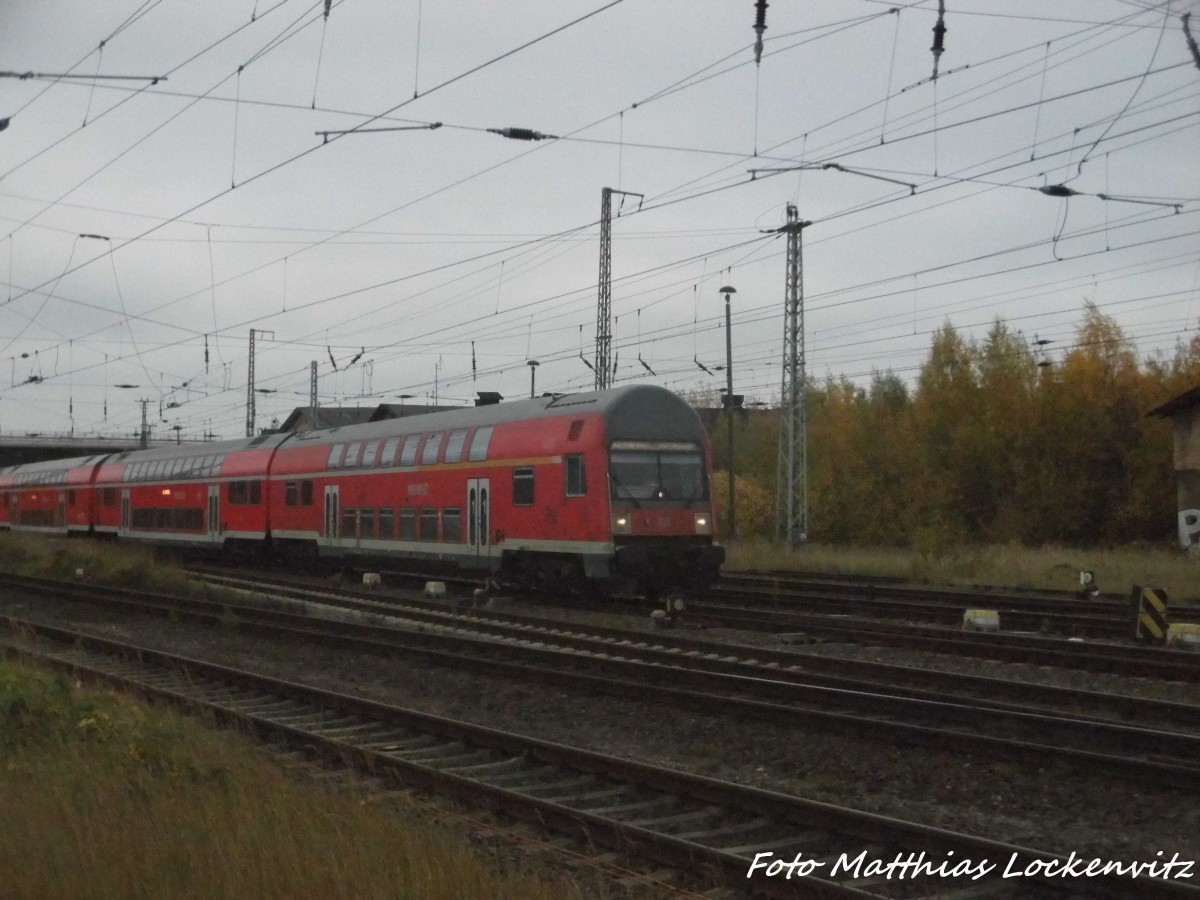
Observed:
{"x":225,"y":211}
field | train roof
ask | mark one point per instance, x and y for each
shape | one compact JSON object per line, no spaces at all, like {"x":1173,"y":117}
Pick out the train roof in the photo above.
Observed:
{"x":638,"y":412}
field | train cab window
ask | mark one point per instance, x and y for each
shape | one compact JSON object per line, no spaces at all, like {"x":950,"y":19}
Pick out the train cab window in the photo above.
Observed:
{"x":369,"y":451}
{"x":351,"y":460}
{"x":387,"y":523}
{"x":523,"y":486}
{"x":479,"y":444}
{"x":349,"y":523}
{"x":366,"y":524}
{"x":408,"y":456}
{"x":454,"y":445}
{"x":452,"y":526}
{"x":576,"y":476}
{"x":433,"y":443}
{"x":429,"y":524}
{"x":306,"y":493}
{"x":387,"y":457}
{"x":335,"y":456}
{"x":408,"y":524}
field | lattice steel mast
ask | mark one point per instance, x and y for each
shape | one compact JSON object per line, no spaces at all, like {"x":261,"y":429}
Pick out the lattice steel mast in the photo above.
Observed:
{"x":604,"y":373}
{"x":791,"y":498}
{"x":250,"y":390}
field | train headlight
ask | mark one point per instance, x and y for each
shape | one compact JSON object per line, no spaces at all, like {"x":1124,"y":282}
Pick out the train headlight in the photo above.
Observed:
{"x":621,"y":523}
{"x":703,"y":523}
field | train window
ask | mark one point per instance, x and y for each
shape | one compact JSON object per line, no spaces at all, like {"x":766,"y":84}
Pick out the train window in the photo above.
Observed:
{"x":649,"y":475}
{"x":408,"y":455}
{"x":291,"y":493}
{"x":349,"y":523}
{"x":306,"y":493}
{"x":452,"y":526}
{"x":70,"y":498}
{"x":575,"y":430}
{"x":408,"y":524}
{"x":366,"y":523}
{"x":387,"y":457}
{"x":479,"y":444}
{"x":351,"y":459}
{"x":454,"y":445}
{"x":369,"y":452}
{"x":429,"y":524}
{"x":245,"y":493}
{"x":110,"y":496}
{"x":387,"y":523}
{"x":433,"y":444}
{"x":576,"y":476}
{"x":335,"y":456}
{"x":523,"y":486}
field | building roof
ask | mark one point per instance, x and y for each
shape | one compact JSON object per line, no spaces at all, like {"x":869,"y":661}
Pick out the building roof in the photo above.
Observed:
{"x":1184,"y":402}
{"x":403,"y":410}
{"x":327,"y":417}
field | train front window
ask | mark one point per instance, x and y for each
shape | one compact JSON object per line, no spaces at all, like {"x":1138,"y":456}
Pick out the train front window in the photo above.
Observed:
{"x":657,"y":475}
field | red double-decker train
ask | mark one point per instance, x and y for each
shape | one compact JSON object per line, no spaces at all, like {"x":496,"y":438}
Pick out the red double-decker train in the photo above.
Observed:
{"x":601,"y":491}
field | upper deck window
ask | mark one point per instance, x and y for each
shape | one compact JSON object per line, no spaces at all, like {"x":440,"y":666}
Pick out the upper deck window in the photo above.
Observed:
{"x":479,"y":443}
{"x":388,"y":456}
{"x":369,"y":451}
{"x":454,"y":445}
{"x":335,"y":456}
{"x":408,"y":455}
{"x":433,"y":443}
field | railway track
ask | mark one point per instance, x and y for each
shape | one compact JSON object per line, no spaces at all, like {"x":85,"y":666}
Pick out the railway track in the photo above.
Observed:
{"x":717,"y":679}
{"x":842,"y":625}
{"x":1043,"y":612}
{"x":709,"y":829}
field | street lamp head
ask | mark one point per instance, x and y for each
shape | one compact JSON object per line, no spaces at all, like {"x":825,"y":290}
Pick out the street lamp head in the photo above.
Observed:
{"x":533,"y":363}
{"x":727,"y":290}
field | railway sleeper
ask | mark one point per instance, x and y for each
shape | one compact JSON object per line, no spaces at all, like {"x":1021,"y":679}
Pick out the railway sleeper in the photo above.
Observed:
{"x":524,"y":779}
{"x":636,"y":806}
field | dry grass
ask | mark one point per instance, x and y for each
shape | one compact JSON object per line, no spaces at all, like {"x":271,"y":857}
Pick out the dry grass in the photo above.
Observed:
{"x":101,"y":798}
{"x":1001,"y":566}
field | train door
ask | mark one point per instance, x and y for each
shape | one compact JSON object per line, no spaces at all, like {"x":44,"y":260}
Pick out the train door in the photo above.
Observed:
{"x":479,"y":516}
{"x":332,"y":512}
{"x":214,"y":512}
{"x":126,"y":513}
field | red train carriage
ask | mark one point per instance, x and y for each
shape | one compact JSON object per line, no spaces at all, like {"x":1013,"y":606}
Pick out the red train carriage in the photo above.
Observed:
{"x":207,"y":495}
{"x":52,"y":497}
{"x":597,"y":489}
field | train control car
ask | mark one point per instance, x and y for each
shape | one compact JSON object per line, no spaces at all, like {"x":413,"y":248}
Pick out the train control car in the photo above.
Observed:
{"x":598,"y":489}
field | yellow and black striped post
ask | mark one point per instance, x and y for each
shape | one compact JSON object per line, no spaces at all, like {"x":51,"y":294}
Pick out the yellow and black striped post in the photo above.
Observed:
{"x":1149,"y":610}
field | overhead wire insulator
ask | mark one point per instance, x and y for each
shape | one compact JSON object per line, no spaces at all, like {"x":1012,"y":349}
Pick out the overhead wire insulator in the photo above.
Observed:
{"x":760,"y":25}
{"x":939,"y":36}
{"x":523,"y":134}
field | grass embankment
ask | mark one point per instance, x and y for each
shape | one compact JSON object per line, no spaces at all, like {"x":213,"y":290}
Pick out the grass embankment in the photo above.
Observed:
{"x":101,"y":798}
{"x":1055,"y":568}
{"x":101,"y":562}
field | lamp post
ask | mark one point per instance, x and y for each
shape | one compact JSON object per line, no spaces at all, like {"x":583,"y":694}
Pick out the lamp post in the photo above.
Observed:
{"x":727,"y":290}
{"x":533,"y":364}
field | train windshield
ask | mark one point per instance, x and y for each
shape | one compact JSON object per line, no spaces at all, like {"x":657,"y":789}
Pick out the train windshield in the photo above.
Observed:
{"x":658,"y":475}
